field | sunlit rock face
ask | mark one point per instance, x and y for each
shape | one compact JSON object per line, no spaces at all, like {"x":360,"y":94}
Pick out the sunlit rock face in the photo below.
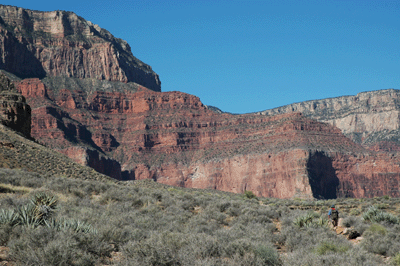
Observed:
{"x":369,"y":118}
{"x":171,"y":137}
{"x":60,"y":43}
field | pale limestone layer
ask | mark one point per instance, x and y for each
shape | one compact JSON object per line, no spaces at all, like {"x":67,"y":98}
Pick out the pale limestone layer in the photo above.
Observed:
{"x":361,"y":115}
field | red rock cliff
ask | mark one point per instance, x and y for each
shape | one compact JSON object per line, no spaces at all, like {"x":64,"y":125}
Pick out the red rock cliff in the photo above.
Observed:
{"x":14,"y":111}
{"x":173,"y":138}
{"x":59,"y":43}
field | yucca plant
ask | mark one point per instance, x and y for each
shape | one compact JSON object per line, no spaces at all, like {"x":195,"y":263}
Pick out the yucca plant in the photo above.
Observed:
{"x":8,"y":217}
{"x":304,"y":221}
{"x":45,"y":205}
{"x":373,"y":214}
{"x":26,"y":216}
{"x":75,"y":225}
{"x":308,"y":221}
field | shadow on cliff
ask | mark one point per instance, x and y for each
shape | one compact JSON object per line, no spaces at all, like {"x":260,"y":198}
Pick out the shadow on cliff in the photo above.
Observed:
{"x":17,"y":58}
{"x":322,"y":177}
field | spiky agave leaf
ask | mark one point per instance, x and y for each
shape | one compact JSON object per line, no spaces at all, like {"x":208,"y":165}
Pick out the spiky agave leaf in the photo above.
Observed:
{"x":27,"y":216}
{"x":45,"y":205}
{"x":75,"y":225}
{"x":8,"y":217}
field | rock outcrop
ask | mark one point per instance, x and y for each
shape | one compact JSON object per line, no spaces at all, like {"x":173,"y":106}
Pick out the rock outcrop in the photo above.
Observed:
{"x":59,"y":43}
{"x":174,"y":139}
{"x":14,"y":111}
{"x":369,"y":118}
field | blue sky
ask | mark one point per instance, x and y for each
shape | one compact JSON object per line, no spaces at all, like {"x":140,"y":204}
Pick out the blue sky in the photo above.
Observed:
{"x":250,"y":55}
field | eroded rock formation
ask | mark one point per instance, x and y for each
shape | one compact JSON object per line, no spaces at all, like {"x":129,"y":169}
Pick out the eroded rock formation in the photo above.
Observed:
{"x":14,"y":111}
{"x":173,"y":138}
{"x":59,"y":43}
{"x":369,"y":118}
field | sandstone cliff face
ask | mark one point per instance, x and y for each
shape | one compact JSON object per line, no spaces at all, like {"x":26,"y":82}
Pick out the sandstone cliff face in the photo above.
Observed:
{"x":174,"y":139}
{"x":84,"y":105}
{"x":369,"y":118}
{"x":14,"y":111}
{"x":59,"y":43}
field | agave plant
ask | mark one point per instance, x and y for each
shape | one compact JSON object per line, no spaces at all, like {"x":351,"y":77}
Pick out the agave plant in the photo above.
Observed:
{"x":373,"y":214}
{"x":8,"y":217}
{"x":304,"y":221}
{"x":45,"y":205}
{"x":75,"y":225}
{"x":309,"y":221}
{"x":27,"y":216}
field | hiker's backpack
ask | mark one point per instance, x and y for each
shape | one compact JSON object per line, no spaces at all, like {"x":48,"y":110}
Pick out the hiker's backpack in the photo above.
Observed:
{"x":335,"y":214}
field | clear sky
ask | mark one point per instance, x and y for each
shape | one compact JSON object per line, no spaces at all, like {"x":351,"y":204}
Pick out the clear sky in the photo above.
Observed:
{"x":250,"y":55}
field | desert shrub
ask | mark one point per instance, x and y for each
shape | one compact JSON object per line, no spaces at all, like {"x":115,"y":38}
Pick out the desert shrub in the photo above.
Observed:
{"x":224,"y":205}
{"x":376,"y":229}
{"x":326,"y":247}
{"x":381,"y":240}
{"x":5,"y":231}
{"x":373,"y":214}
{"x":307,"y":238}
{"x":395,"y":261}
{"x":266,"y":255}
{"x":46,"y":246}
{"x":158,"y":249}
{"x":253,"y":214}
{"x":353,"y":256}
{"x":311,"y":219}
{"x":248,"y":194}
{"x":351,"y":221}
{"x":17,"y":177}
{"x":355,"y":212}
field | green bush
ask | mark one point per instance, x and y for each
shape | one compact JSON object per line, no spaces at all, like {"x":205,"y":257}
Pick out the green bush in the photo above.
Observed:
{"x":395,"y":261}
{"x":266,"y":255}
{"x":248,"y":194}
{"x":326,"y":247}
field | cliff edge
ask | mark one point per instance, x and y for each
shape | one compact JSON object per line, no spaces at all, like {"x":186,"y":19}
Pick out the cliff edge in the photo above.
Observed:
{"x":62,"y":44}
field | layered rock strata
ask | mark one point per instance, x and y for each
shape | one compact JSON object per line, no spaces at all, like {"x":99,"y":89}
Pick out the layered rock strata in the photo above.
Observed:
{"x":14,"y":111}
{"x":174,"y":139}
{"x":369,"y":118}
{"x":59,"y":43}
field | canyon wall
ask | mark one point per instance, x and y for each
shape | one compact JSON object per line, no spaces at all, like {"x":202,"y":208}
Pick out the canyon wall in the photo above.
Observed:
{"x":171,"y":137}
{"x":15,"y":113}
{"x":369,"y":118}
{"x":60,"y":43}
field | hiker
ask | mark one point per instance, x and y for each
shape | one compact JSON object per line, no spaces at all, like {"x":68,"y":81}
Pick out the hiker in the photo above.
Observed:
{"x":333,"y":215}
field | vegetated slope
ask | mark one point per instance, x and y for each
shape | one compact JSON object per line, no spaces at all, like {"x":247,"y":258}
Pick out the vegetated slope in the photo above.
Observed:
{"x":60,"y":43}
{"x":369,"y":118}
{"x":146,"y":223}
{"x":171,"y":137}
{"x":17,"y":152}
